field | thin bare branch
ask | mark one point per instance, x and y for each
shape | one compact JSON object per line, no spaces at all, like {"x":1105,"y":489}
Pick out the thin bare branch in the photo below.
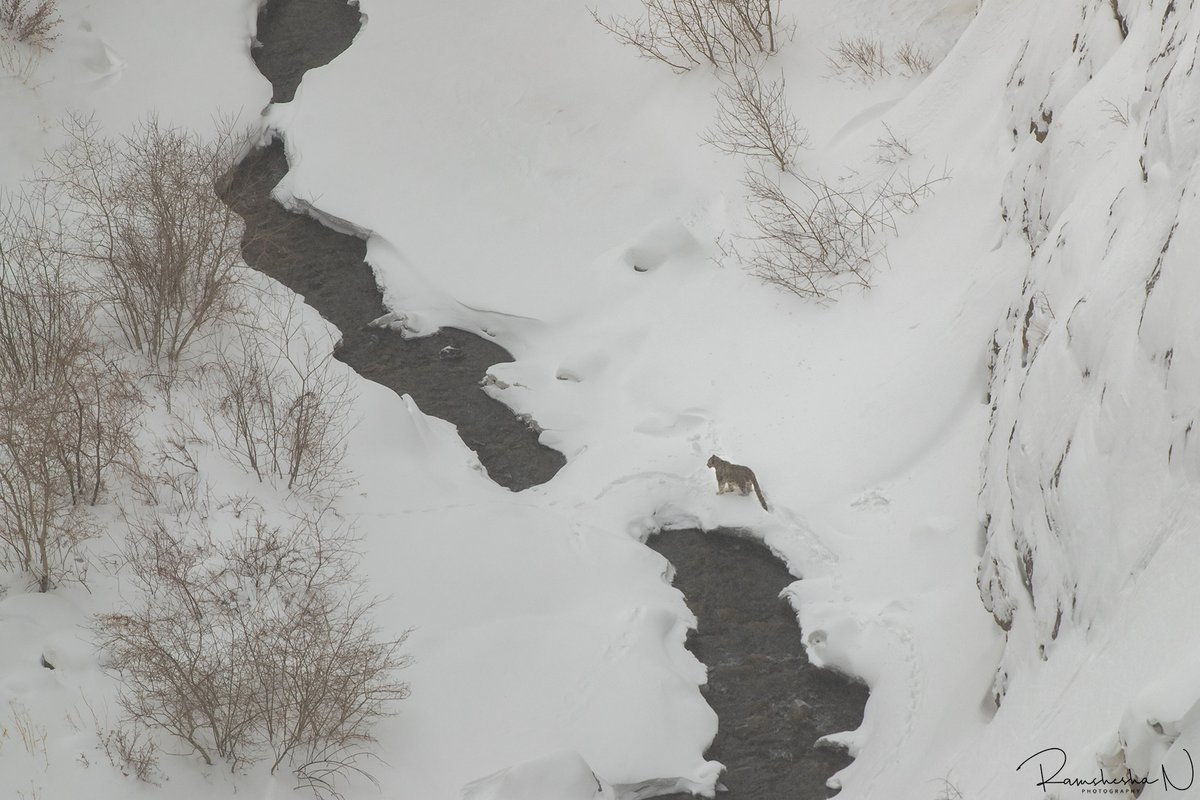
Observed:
{"x":687,"y":33}
{"x":755,"y":120}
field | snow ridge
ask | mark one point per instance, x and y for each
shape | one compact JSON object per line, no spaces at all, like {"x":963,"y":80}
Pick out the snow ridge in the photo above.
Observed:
{"x":1091,"y":464}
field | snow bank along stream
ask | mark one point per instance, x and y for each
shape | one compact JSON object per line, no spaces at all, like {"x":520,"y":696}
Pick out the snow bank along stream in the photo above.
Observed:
{"x":325,"y":266}
{"x":773,"y":705}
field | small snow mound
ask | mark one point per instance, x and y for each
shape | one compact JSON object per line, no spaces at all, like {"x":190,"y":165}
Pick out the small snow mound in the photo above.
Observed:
{"x":871,"y":500}
{"x":1159,"y":723}
{"x":583,"y":367}
{"x":408,"y":324}
{"x":838,"y":741}
{"x":565,"y":374}
{"x":560,"y":776}
{"x":102,"y":60}
{"x":660,"y":244}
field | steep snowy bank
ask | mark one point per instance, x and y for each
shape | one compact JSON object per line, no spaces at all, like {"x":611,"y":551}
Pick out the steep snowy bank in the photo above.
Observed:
{"x":1091,"y":471}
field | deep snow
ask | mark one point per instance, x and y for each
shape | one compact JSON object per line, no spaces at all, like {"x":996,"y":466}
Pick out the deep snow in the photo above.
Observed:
{"x":512,"y":163}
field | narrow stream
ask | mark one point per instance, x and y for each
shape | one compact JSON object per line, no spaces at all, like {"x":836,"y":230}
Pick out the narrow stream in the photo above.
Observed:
{"x":441,"y":372}
{"x":772,"y":703}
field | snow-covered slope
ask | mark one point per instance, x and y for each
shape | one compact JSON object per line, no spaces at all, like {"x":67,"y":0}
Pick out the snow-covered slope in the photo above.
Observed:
{"x":560,"y":165}
{"x":532,"y":164}
{"x":1091,"y":465}
{"x":121,"y":60}
{"x":1100,"y":335}
{"x":525,"y":177}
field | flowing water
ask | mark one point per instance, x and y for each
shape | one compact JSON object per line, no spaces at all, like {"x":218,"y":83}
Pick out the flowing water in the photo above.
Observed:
{"x":771,"y":703}
{"x":441,"y":372}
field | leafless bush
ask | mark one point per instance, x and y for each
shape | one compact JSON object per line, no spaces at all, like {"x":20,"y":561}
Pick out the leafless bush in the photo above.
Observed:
{"x":1117,"y":114}
{"x":130,"y":749}
{"x":754,"y":119}
{"x":824,"y":242}
{"x":687,"y":33}
{"x":164,"y":246}
{"x":891,"y":149}
{"x":279,"y":406}
{"x":859,"y":56}
{"x":903,"y":192}
{"x":66,"y":413}
{"x":323,"y":769}
{"x":57,"y":446}
{"x":34,"y":24}
{"x":45,"y":323}
{"x":816,"y":246}
{"x":32,"y":735}
{"x":18,"y":61}
{"x":947,"y":790}
{"x":913,"y":59}
{"x":168,"y":476}
{"x":41,"y":530}
{"x":260,"y":647}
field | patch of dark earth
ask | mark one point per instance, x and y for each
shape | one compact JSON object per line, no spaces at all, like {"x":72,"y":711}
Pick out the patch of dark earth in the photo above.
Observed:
{"x":441,"y":372}
{"x":771,"y":703}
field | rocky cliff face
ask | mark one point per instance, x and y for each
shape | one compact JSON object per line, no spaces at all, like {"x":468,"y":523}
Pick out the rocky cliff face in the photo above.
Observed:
{"x":1093,"y":460}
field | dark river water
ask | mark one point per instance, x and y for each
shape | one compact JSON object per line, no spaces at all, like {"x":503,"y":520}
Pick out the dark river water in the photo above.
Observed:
{"x":771,"y":703}
{"x":441,"y":372}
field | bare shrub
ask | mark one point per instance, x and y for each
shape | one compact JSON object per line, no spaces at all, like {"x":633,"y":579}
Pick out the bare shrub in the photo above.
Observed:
{"x":279,"y":406}
{"x":824,"y":242}
{"x":165,"y":248}
{"x":45,"y":323}
{"x":167,"y":473}
{"x":947,"y":790}
{"x":66,"y":413}
{"x":890,"y":148}
{"x":913,"y":59}
{"x":40,"y":526}
{"x":33,"y":23}
{"x":130,"y":749}
{"x":755,"y":120}
{"x":259,"y":647}
{"x":687,"y":33}
{"x":1119,"y":115}
{"x":57,"y":447}
{"x":32,"y":735}
{"x":323,"y":769}
{"x":905,"y":192}
{"x":95,"y":432}
{"x":859,"y":56}
{"x":816,"y":246}
{"x":18,"y":61}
